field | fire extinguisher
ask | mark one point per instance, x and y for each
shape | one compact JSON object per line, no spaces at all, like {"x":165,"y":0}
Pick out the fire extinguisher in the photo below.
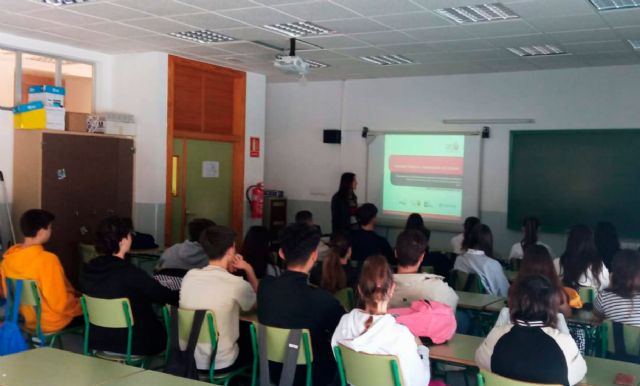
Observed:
{"x":255,"y":196}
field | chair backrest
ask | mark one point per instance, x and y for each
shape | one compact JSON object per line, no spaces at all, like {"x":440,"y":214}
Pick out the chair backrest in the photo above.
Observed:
{"x":427,"y":269}
{"x":277,"y":341}
{"x":587,"y":294}
{"x":208,"y":331}
{"x":346,"y":298}
{"x":109,"y":313}
{"x":87,"y":252}
{"x":487,"y":378}
{"x":468,"y":282}
{"x":30,"y":297}
{"x":631,"y":337}
{"x":514,"y":264}
{"x":358,"y":368}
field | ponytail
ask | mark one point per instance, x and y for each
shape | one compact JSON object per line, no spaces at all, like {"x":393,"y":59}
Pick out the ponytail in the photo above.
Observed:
{"x":334,"y":278}
{"x":376,"y":281}
{"x":530,"y":227}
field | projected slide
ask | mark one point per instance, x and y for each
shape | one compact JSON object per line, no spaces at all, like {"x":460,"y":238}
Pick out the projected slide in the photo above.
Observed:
{"x":424,"y":174}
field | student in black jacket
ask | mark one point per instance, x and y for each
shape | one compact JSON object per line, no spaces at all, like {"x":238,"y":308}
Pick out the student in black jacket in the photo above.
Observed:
{"x":344,"y":203}
{"x":288,"y":301}
{"x":110,"y":276}
{"x":365,"y":241}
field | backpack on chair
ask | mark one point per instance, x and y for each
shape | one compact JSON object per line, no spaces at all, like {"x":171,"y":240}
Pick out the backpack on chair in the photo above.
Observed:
{"x":183,"y":363}
{"x":11,"y":339}
{"x":427,"y":319}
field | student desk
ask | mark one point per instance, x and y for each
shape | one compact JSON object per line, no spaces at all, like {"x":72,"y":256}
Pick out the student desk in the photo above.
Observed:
{"x":152,"y":378}
{"x":475,"y":301}
{"x":461,"y":349}
{"x":250,"y":316}
{"x":52,"y":367}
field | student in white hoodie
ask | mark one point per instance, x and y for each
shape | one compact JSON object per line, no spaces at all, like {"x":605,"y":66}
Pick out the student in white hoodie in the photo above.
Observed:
{"x":373,"y":331}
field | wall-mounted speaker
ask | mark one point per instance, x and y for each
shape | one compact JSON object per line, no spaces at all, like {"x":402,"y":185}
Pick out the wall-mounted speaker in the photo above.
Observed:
{"x":332,"y":136}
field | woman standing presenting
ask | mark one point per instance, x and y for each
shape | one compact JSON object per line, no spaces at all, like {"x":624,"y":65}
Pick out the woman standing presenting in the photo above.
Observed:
{"x":344,"y":203}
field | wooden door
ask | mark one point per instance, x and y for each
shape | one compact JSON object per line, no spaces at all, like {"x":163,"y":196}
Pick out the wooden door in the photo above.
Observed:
{"x":84,"y":179}
{"x":205,"y":174}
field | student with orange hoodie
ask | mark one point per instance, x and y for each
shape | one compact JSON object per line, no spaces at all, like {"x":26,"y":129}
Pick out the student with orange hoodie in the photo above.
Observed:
{"x":29,"y":260}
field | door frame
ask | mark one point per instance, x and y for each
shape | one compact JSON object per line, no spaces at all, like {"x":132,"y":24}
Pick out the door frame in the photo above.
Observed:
{"x":237,"y":138}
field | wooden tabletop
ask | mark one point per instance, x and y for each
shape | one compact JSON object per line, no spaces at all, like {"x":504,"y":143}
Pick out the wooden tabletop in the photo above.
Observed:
{"x":53,"y":367}
{"x":251,"y":316}
{"x":475,"y":301}
{"x":461,"y":349}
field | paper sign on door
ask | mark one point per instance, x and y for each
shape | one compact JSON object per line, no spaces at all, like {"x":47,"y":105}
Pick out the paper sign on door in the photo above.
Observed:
{"x":210,"y":169}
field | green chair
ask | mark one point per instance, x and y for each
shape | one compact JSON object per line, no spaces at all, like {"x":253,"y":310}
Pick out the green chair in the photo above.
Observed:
{"x":468,"y":282}
{"x":209,"y":335}
{"x":346,"y":298}
{"x":514,"y":264}
{"x":427,"y":269}
{"x":87,"y":252}
{"x":277,"y":341}
{"x":110,"y":313}
{"x":487,"y":378}
{"x":31,"y":297}
{"x":587,"y":294}
{"x":357,"y":368}
{"x":630,"y":341}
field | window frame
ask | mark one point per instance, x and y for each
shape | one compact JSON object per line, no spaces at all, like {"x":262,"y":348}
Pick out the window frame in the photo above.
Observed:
{"x":17,"y":76}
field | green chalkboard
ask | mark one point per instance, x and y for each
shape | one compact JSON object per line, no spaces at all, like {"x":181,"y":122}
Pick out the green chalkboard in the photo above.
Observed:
{"x":565,"y":177}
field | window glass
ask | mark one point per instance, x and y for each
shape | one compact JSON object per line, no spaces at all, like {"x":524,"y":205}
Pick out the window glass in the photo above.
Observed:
{"x":37,"y":71}
{"x":77,"y":79}
{"x":7,"y":78}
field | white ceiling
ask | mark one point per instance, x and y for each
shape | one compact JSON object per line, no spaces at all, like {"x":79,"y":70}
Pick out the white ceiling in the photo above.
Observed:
{"x":362,"y":28}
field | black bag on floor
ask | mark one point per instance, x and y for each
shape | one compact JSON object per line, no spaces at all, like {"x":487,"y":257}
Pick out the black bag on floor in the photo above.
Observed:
{"x":183,"y":363}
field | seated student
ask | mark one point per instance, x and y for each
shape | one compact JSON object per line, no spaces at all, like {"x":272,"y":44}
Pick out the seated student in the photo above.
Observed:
{"x":29,"y":260}
{"x":371,"y":330}
{"x":255,"y":249}
{"x":537,"y":261}
{"x":530,"y":227}
{"x":288,"y":301}
{"x":110,"y":276}
{"x":306,"y":217}
{"x":607,"y":242}
{"x":335,"y":272}
{"x":580,"y":265}
{"x":188,"y":254}
{"x":365,"y":241}
{"x":621,"y":301}
{"x":215,"y":288}
{"x":457,"y":241}
{"x":531,"y":348}
{"x":478,"y":259}
{"x":440,"y":262}
{"x":411,"y":285}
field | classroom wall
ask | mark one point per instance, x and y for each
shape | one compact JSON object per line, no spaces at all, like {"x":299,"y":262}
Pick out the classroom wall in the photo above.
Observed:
{"x":135,"y":84}
{"x":599,"y":97}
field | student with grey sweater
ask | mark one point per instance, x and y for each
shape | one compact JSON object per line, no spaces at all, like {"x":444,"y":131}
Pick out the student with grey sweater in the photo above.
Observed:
{"x":188,"y":254}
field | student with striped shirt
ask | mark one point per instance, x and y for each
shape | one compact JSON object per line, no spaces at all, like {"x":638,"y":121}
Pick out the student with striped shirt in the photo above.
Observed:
{"x":621,"y":301}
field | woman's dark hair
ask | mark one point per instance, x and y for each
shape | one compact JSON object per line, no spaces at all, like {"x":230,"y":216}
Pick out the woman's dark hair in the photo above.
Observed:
{"x":376,"y":281}
{"x":580,"y":256}
{"x":469,"y":223}
{"x":346,"y":185}
{"x":625,"y":274}
{"x":530,"y":227}
{"x":538,"y":261}
{"x":607,"y":243}
{"x":533,"y":298}
{"x":110,"y":232}
{"x":334,"y":278}
{"x":481,"y":238}
{"x":255,"y":249}
{"x":416,"y":222}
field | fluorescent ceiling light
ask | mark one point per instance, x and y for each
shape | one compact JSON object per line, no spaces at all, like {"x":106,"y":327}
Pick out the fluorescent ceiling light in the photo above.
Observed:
{"x":606,"y":5}
{"x":314,"y":64}
{"x":298,"y":29}
{"x":537,"y":50}
{"x":202,"y":36}
{"x":478,"y":13}
{"x":635,"y":43}
{"x":387,"y":60}
{"x":64,"y":2}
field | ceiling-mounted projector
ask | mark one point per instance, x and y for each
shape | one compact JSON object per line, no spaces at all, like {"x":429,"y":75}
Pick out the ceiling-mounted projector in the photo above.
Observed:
{"x":291,"y":64}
